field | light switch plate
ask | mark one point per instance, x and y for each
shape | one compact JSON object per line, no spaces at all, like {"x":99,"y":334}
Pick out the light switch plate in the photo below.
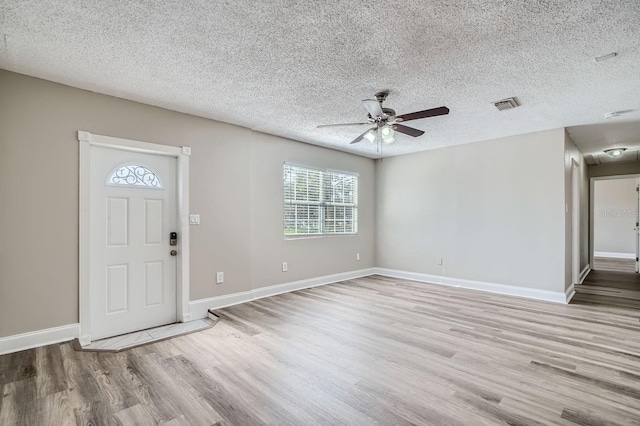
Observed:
{"x":194,"y":219}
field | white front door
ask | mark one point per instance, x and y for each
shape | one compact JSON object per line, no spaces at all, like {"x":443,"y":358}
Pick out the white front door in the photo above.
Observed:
{"x":133,"y":210}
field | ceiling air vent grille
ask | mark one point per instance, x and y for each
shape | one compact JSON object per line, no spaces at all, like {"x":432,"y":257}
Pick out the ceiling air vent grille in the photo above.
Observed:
{"x":504,"y":104}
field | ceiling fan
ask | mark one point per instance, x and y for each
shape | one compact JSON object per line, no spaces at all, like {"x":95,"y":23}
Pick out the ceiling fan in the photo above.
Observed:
{"x":385,"y":121}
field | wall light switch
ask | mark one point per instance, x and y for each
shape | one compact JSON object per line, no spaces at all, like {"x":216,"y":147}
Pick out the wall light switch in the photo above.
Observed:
{"x":194,"y":219}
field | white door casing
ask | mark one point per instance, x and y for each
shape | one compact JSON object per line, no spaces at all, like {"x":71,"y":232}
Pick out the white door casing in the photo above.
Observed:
{"x":637,"y":228}
{"x":128,"y":279}
{"x":575,"y":222}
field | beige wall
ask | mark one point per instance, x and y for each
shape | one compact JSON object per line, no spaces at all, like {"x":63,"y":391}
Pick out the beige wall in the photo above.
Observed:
{"x":615,"y":169}
{"x":493,"y":210}
{"x":571,"y":153}
{"x":614,"y":207}
{"x":236,"y":187}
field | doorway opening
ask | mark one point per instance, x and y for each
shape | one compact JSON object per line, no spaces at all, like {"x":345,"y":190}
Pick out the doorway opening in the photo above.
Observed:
{"x":615,"y":241}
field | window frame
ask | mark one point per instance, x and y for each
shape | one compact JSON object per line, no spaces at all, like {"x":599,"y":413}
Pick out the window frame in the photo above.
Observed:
{"x":323,"y":205}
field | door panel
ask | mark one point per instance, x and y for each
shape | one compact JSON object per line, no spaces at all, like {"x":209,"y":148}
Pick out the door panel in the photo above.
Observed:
{"x":117,"y":221}
{"x":117,"y":298}
{"x":153,"y":219}
{"x":133,"y":210}
{"x":153,"y":283}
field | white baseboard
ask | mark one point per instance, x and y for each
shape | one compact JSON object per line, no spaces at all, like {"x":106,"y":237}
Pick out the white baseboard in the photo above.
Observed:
{"x":614,"y":255}
{"x":33,"y":339}
{"x":200,"y":307}
{"x":569,"y":293}
{"x":584,"y":274}
{"x":510,"y":290}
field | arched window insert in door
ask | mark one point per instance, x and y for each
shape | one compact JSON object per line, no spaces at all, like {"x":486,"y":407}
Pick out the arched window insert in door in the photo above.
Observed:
{"x":134,"y":175}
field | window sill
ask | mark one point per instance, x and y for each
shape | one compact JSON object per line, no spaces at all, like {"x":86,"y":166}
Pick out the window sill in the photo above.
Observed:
{"x":315,"y":236}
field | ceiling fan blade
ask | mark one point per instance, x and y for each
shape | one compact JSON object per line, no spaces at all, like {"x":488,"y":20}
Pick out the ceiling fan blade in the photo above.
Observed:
{"x":342,"y":124}
{"x":374,"y":108}
{"x":359,"y":138}
{"x":408,"y":130}
{"x":424,"y":114}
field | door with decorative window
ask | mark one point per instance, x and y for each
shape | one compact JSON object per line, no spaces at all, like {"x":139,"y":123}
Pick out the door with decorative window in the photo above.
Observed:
{"x":133,"y":211}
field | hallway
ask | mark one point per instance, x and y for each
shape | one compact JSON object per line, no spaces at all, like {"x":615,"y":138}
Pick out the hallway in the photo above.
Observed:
{"x":620,"y":289}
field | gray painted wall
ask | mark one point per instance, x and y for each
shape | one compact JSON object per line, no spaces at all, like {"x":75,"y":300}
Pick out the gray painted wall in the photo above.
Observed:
{"x":494,"y":210}
{"x":614,"y":169}
{"x":614,"y":207}
{"x":236,"y":187}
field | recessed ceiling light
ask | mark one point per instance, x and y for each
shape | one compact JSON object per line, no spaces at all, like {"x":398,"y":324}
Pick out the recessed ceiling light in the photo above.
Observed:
{"x":605,"y":57}
{"x":615,"y":152}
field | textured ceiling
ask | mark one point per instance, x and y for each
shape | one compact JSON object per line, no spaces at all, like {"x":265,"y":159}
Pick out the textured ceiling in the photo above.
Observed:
{"x":283,"y":67}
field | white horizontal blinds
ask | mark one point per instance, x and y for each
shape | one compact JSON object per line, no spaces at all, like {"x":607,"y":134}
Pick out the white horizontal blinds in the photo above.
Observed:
{"x":341,"y":203}
{"x":319,"y":202}
{"x":302,"y":201}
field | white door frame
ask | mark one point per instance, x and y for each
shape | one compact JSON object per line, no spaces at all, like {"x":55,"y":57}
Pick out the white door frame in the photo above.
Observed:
{"x":592,"y":213}
{"x":182,"y":154}
{"x":575,"y":219}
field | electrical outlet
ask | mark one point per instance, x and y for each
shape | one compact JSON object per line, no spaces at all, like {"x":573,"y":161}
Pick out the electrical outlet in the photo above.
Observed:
{"x":438,"y":260}
{"x":219,"y":277}
{"x":285,"y":267}
{"x":357,"y":256}
{"x":194,"y":219}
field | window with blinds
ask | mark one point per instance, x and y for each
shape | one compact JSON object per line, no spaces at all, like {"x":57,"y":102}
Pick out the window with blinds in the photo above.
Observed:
{"x":319,"y":202}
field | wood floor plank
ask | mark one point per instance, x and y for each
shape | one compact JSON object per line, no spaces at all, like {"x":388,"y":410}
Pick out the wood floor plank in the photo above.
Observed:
{"x":372,"y":350}
{"x":614,"y":265}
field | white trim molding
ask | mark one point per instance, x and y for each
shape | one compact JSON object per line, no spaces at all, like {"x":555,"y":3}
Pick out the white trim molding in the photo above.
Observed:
{"x":181,"y":153}
{"x":569,"y":293}
{"x":509,"y":290}
{"x":199,"y":308}
{"x":34,"y":339}
{"x":584,"y":273}
{"x":614,"y":255}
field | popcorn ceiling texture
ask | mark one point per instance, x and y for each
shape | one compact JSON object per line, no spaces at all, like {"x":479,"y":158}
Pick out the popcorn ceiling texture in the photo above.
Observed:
{"x":283,"y":67}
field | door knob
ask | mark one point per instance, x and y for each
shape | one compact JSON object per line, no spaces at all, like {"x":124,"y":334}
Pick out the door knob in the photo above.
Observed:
{"x":173,"y":252}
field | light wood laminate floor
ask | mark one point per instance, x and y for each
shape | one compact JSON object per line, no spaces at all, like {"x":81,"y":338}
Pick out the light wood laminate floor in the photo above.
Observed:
{"x":615,"y":265}
{"x":367,"y":351}
{"x":621,"y":289}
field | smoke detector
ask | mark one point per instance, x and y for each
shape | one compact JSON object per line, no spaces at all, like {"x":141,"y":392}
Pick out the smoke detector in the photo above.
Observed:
{"x":505,"y":104}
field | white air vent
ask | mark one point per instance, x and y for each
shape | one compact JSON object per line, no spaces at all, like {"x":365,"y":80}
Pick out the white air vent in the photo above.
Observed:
{"x":509,"y":103}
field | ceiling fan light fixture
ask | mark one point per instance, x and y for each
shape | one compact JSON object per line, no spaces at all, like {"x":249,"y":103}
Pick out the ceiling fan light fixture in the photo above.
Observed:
{"x":615,"y":152}
{"x":370,"y":136}
{"x":388,"y":134}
